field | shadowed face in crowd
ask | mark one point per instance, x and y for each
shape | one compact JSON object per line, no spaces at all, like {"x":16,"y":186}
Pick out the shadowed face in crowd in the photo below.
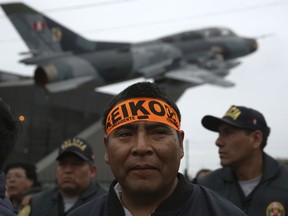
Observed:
{"x":236,"y":145}
{"x":17,"y":182}
{"x":74,"y":174}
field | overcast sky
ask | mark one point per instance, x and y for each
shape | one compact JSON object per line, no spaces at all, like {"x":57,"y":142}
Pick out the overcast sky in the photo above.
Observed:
{"x":261,"y":80}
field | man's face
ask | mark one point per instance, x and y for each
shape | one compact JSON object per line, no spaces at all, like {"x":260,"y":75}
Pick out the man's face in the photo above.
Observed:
{"x":17,"y":182}
{"x":73,"y":174}
{"x":144,"y":156}
{"x":236,"y":146}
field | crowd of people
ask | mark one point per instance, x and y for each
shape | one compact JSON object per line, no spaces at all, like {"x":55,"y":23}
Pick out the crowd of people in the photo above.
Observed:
{"x":143,"y":147}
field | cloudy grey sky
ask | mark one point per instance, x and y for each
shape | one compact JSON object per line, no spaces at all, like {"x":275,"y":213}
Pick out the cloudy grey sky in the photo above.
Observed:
{"x":261,"y":80}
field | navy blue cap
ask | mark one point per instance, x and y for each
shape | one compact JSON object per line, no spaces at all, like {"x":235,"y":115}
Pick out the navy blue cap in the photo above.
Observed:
{"x":77,"y":146}
{"x":240,"y":117}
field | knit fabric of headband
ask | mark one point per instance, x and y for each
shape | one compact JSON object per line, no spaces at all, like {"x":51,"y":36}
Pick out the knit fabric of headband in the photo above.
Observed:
{"x":141,"y":109}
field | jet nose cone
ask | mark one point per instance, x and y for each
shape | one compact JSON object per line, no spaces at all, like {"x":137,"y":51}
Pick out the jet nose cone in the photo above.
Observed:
{"x":253,"y":45}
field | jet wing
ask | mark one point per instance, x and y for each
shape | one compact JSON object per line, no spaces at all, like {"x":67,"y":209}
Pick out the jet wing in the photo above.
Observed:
{"x":12,"y":79}
{"x":27,"y":82}
{"x":155,"y":69}
{"x":68,"y":84}
{"x":45,"y":57}
{"x":174,"y":88}
{"x":6,"y":76}
{"x":197,"y":75}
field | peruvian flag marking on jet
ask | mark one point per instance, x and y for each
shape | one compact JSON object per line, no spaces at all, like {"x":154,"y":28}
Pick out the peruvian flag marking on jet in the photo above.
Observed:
{"x":38,"y":25}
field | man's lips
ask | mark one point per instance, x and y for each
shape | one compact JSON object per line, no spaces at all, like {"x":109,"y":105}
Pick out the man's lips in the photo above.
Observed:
{"x":142,"y":167}
{"x":222,"y":154}
{"x":67,"y":179}
{"x":11,"y":187}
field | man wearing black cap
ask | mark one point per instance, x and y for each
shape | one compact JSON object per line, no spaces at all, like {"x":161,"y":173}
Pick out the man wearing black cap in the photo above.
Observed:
{"x":250,"y":178}
{"x":75,"y":174}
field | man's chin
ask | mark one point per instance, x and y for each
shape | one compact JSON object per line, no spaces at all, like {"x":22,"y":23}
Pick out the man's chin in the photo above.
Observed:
{"x":144,"y":187}
{"x":67,"y":188}
{"x":225,"y":164}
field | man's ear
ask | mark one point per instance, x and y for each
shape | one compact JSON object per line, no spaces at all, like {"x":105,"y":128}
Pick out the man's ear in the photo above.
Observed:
{"x":181,"y":140}
{"x":93,"y":170}
{"x":258,"y":138}
{"x":106,"y":156}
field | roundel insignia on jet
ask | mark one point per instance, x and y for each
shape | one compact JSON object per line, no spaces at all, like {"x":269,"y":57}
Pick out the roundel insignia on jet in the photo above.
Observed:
{"x":275,"y":209}
{"x":56,"y":33}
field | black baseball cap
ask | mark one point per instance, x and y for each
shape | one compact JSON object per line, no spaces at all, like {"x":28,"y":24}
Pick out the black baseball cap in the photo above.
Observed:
{"x":240,"y":117}
{"x":77,"y":146}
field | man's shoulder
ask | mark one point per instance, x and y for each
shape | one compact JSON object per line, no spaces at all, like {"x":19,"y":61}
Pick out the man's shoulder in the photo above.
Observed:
{"x":213,"y":203}
{"x":280,"y":180}
{"x":6,"y":208}
{"x":284,"y":170}
{"x":210,"y":178}
{"x":46,"y":194}
{"x":275,"y":173}
{"x":99,"y":188}
{"x":95,"y":207}
{"x":94,"y":190}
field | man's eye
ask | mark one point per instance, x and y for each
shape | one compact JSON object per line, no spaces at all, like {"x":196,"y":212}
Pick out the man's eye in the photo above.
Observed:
{"x":226,"y":132}
{"x":77,"y":163}
{"x":159,"y":131}
{"x":61,"y":163}
{"x":123,"y":133}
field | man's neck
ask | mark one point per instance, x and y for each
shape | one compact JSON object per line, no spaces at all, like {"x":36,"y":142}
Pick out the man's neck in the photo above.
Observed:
{"x":143,"y":205}
{"x":138,"y":208}
{"x":250,"y":169}
{"x":70,"y":194}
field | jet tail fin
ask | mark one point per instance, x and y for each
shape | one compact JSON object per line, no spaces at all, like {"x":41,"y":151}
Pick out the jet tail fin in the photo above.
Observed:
{"x":43,"y":35}
{"x":32,"y":28}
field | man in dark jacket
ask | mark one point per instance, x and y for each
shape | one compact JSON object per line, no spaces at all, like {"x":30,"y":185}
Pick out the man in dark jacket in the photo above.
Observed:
{"x":250,"y":178}
{"x":9,"y":129}
{"x":76,"y":185}
{"x":144,"y":146}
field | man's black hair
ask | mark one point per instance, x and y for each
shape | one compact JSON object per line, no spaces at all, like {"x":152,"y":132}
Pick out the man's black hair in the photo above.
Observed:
{"x":9,"y":131}
{"x":140,"y":89}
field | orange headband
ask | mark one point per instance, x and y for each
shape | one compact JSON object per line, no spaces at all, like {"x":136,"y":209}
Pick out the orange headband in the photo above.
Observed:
{"x":141,"y":109}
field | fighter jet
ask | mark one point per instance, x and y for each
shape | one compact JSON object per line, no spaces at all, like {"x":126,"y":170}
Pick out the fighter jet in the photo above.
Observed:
{"x":66,"y":60}
{"x":70,"y":67}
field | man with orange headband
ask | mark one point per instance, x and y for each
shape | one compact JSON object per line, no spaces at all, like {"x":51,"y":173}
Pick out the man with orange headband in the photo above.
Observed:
{"x":144,"y":146}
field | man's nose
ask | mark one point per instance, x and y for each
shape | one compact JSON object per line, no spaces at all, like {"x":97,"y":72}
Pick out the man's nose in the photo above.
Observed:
{"x":219,"y":141}
{"x":68,"y":167}
{"x":142,"y":145}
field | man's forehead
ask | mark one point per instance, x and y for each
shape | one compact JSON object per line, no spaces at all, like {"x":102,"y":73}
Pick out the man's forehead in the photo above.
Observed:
{"x":145,"y":124}
{"x":223,"y":126}
{"x":17,"y":169}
